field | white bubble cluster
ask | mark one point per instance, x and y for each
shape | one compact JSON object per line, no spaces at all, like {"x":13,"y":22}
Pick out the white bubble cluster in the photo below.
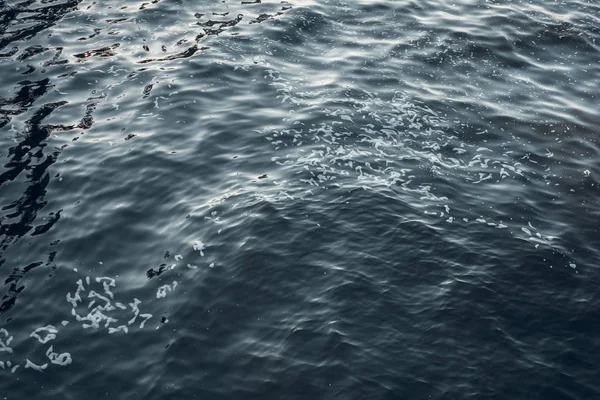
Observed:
{"x":162,"y":291}
{"x":198,"y":245}
{"x":96,"y":307}
{"x":62,"y":359}
{"x":101,"y":311}
{"x":401,"y":146}
{"x":5,"y":341}
{"x":35,"y":367}
{"x":50,"y":334}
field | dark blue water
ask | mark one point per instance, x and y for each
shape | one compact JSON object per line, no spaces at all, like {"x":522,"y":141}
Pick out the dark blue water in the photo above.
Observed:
{"x":299,"y":199}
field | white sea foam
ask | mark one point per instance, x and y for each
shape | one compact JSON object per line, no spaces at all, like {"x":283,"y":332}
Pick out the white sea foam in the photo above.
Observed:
{"x":62,"y":359}
{"x":35,"y":367}
{"x":50,"y":335}
{"x":6,"y":341}
{"x":198,"y":245}
{"x":146,"y":317}
{"x":163,"y":290}
{"x":120,"y":328}
{"x":76,"y":298}
{"x":107,"y":283}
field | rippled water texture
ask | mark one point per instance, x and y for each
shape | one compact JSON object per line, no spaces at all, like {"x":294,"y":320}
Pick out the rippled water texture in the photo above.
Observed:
{"x":299,"y":199}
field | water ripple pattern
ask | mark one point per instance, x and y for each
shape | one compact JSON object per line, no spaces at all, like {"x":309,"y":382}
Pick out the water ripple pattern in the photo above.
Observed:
{"x":260,"y":199}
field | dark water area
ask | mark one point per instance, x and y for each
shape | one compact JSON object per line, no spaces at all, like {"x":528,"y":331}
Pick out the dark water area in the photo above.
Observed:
{"x":299,"y":199}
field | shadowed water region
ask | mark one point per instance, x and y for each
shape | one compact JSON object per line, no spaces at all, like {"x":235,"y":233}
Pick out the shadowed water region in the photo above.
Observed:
{"x":299,"y":199}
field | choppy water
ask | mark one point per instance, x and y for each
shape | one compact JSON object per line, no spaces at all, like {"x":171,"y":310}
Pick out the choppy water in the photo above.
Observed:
{"x":299,"y":199}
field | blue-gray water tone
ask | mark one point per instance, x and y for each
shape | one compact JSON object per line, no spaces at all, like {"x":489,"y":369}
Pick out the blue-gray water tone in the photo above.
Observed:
{"x":302,"y":199}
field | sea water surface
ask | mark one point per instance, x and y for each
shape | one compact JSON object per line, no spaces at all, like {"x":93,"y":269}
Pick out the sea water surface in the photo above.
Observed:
{"x":302,"y":199}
